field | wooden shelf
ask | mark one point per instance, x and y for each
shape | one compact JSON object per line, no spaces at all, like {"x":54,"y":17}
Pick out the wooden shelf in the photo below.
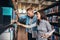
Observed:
{"x":50,"y":6}
{"x":54,"y":23}
{"x":52,"y":0}
{"x":29,"y":2}
{"x":56,"y":33}
{"x":51,"y":14}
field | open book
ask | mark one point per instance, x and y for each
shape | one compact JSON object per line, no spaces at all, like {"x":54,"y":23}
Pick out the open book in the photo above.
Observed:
{"x":51,"y":32}
{"x":48,"y":34}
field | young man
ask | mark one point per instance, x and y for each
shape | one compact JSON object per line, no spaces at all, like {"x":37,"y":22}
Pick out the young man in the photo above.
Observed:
{"x":29,"y":19}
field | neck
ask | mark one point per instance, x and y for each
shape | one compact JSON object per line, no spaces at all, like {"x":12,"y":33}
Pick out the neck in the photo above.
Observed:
{"x":39,"y":19}
{"x":31,"y":16}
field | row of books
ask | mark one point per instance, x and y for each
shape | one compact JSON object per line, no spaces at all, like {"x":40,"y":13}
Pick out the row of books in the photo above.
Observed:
{"x":51,"y":10}
{"x":53,"y":19}
{"x":54,"y":37}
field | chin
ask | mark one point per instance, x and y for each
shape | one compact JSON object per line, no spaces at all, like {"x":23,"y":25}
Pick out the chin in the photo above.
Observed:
{"x":38,"y":18}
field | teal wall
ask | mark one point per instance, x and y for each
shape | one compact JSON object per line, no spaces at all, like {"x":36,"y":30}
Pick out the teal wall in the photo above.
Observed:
{"x":7,"y":10}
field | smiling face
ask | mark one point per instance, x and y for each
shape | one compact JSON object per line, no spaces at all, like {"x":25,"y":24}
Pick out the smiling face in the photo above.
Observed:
{"x":30,"y":13}
{"x":41,"y":15}
{"x":38,"y":16}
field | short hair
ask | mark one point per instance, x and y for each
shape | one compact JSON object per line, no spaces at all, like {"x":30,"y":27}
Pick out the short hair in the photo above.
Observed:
{"x":29,"y":9}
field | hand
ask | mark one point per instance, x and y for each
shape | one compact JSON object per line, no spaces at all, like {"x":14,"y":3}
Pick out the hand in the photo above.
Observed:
{"x":45,"y":35}
{"x":12,"y":21}
{"x":18,"y":23}
{"x":16,"y":12}
{"x":49,"y":33}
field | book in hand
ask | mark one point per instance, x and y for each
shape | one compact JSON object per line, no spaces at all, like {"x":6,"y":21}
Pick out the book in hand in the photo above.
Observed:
{"x":48,"y":34}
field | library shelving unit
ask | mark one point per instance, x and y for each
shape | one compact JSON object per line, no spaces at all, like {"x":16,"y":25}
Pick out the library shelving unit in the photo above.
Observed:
{"x":6,"y":9}
{"x":57,"y":14}
{"x":50,"y":6}
{"x":53,"y":18}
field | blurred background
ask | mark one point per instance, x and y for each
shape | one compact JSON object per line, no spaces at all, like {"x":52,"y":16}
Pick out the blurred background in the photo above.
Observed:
{"x":7,"y":13}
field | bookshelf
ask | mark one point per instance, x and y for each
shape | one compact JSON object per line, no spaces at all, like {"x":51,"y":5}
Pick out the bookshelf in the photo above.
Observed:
{"x":53,"y":23}
{"x":52,"y":0}
{"x":6,"y":9}
{"x":29,"y":1}
{"x":52,"y":12}
{"x":23,"y":6}
{"x":50,"y":6}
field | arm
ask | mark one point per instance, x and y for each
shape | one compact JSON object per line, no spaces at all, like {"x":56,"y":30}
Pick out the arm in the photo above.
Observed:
{"x":46,"y":35}
{"x":27,"y":26}
{"x":50,"y":31}
{"x":49,"y":28}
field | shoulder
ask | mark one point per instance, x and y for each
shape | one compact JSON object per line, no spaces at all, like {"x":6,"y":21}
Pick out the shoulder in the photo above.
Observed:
{"x":44,"y":21}
{"x":22,"y":16}
{"x":47,"y":23}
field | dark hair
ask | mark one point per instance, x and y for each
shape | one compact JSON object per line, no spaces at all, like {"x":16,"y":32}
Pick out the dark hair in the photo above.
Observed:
{"x":29,"y":9}
{"x":43,"y":16}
